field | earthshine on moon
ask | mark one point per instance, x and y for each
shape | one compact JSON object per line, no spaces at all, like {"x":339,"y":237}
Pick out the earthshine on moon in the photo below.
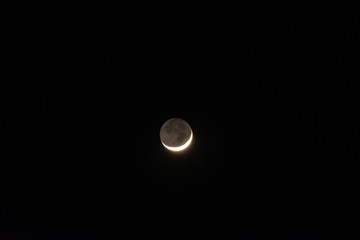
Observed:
{"x":176,"y":134}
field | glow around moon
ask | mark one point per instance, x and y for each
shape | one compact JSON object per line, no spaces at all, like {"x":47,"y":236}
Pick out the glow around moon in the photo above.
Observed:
{"x":180,"y":148}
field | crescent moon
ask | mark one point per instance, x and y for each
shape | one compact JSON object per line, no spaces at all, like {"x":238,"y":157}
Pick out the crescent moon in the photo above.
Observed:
{"x":182,"y":147}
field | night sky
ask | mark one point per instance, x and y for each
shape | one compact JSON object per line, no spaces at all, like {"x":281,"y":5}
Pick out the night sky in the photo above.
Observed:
{"x":271,"y":100}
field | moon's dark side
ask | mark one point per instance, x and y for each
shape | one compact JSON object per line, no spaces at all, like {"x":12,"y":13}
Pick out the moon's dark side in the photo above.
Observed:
{"x":175,"y":132}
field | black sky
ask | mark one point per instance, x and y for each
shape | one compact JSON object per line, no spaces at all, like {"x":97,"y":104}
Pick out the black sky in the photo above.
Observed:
{"x":271,"y":100}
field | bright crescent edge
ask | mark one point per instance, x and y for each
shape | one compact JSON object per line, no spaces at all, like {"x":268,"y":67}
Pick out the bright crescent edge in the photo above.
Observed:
{"x":177,"y":149}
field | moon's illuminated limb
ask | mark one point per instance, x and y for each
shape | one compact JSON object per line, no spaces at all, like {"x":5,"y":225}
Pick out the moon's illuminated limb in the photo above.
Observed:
{"x":177,"y":149}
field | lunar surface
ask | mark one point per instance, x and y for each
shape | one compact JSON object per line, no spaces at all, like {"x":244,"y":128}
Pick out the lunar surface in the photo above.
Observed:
{"x":176,"y":134}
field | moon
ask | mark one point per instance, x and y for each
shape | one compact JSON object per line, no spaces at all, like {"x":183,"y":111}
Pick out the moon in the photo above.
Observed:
{"x":176,"y":134}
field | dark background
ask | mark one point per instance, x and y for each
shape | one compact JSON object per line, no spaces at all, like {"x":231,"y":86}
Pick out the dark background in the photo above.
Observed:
{"x":270,"y":96}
